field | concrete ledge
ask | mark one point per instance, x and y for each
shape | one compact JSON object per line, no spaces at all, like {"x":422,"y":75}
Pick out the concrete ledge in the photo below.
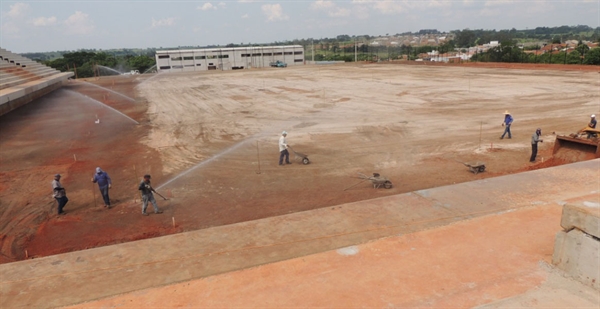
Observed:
{"x":16,"y":96}
{"x":578,"y":254}
{"x":581,"y":217}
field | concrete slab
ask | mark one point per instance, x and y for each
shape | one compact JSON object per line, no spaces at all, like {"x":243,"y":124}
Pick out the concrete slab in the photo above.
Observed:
{"x":462,"y":265}
{"x":584,"y":217}
{"x":111,"y":270}
{"x":557,"y":291}
{"x":578,"y":254}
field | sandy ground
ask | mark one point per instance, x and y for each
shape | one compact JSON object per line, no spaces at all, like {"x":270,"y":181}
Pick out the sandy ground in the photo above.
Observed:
{"x":198,"y":135}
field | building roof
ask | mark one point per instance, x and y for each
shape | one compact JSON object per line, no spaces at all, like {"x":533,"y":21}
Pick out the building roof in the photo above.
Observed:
{"x":170,"y":51}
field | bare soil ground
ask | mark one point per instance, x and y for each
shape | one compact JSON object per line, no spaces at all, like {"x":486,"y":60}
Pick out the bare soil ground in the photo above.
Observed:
{"x":201,"y":135}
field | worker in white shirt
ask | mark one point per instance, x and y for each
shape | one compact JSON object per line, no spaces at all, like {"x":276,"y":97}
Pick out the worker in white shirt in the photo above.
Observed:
{"x":283,"y":152}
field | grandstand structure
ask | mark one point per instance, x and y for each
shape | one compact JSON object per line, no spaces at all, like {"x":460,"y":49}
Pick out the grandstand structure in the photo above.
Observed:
{"x":23,"y":80}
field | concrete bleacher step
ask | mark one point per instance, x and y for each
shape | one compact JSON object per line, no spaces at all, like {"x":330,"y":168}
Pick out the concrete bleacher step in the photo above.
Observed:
{"x":23,"y":80}
{"x":7,"y":79}
{"x":18,"y":82}
{"x":39,"y":70}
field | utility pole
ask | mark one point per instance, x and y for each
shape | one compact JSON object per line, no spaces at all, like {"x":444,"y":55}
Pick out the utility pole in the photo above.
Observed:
{"x":355,"y":49}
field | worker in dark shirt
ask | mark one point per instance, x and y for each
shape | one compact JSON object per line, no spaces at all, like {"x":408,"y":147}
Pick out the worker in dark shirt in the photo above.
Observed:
{"x":535,"y":138}
{"x":146,"y":189}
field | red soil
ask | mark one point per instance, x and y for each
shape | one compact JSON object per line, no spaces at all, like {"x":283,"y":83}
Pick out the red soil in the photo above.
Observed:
{"x":231,"y":192}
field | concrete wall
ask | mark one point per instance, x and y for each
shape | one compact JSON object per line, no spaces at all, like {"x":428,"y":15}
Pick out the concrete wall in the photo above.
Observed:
{"x":227,"y":58}
{"x":577,"y":247}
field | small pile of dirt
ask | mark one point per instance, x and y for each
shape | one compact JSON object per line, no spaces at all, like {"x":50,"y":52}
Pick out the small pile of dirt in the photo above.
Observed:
{"x":575,"y":153}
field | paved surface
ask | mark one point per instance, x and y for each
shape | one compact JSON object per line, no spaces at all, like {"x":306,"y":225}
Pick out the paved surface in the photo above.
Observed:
{"x":106,"y":271}
{"x":461,"y":265}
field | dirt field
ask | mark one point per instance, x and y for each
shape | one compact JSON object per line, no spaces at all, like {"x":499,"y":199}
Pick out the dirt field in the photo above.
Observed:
{"x":198,"y":135}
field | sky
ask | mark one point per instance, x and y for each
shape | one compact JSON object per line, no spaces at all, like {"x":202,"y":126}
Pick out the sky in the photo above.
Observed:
{"x":41,"y":26}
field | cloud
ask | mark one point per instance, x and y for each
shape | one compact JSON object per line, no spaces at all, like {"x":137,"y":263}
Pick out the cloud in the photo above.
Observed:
{"x":385,"y":7}
{"x":274,"y":12}
{"x":331,"y":8}
{"x":163,"y":22}
{"x":320,"y":4}
{"x":79,"y":23}
{"x":361,"y":12}
{"x":44,"y":21}
{"x":245,"y":16}
{"x":438,"y":3}
{"x":9,"y":28}
{"x":497,"y":2}
{"x":339,"y":12}
{"x":207,"y":6}
{"x":18,"y":10}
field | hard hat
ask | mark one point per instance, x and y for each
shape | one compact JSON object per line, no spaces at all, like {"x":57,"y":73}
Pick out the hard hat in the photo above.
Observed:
{"x":593,"y":116}
{"x":284,"y":133}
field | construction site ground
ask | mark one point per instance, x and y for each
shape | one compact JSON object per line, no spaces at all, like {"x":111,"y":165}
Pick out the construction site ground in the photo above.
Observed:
{"x":486,"y":242}
{"x":209,"y":140}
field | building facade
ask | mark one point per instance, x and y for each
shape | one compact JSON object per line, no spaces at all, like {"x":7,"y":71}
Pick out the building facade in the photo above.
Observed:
{"x":234,"y":58}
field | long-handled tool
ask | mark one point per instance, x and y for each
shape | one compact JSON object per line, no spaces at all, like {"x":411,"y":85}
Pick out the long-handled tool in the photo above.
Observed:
{"x":298,"y":156}
{"x":94,"y":192}
{"x":377,"y":180}
{"x":164,"y":198}
{"x":474,"y":167}
{"x":356,"y":184}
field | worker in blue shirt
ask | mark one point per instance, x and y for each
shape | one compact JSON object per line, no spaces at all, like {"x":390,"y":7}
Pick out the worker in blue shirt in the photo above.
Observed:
{"x":508,"y":120}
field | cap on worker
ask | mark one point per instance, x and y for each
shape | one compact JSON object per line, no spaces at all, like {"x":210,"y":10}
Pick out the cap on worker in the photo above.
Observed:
{"x":98,"y":170}
{"x":593,"y":116}
{"x":506,"y":112}
{"x":284,"y":133}
{"x":147,"y":176}
{"x":57,"y":176}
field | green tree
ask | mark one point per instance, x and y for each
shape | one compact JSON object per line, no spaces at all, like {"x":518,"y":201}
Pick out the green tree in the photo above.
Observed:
{"x":556,"y":40}
{"x":78,"y":58}
{"x":141,"y":63}
{"x":58,"y":64}
{"x":582,"y":48}
{"x":465,"y":38}
{"x":592,"y":56}
{"x":574,"y":57}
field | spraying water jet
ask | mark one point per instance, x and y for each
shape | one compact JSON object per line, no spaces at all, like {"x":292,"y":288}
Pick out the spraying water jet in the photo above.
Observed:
{"x":96,"y":101}
{"x":110,"y":90}
{"x":109,"y":69}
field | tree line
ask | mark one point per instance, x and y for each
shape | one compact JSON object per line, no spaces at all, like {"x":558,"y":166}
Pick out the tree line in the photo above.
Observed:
{"x":89,"y":64}
{"x":510,"y":52}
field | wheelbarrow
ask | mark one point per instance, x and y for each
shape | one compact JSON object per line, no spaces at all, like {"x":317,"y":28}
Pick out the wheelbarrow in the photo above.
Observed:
{"x":298,"y":156}
{"x":475,"y":168}
{"x":377,"y":180}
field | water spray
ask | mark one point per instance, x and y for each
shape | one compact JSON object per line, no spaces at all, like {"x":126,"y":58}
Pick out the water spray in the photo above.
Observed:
{"x":117,"y":93}
{"x":113,"y":109}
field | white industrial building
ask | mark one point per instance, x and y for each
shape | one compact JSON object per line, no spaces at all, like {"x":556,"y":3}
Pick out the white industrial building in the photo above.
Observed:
{"x":233,"y":58}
